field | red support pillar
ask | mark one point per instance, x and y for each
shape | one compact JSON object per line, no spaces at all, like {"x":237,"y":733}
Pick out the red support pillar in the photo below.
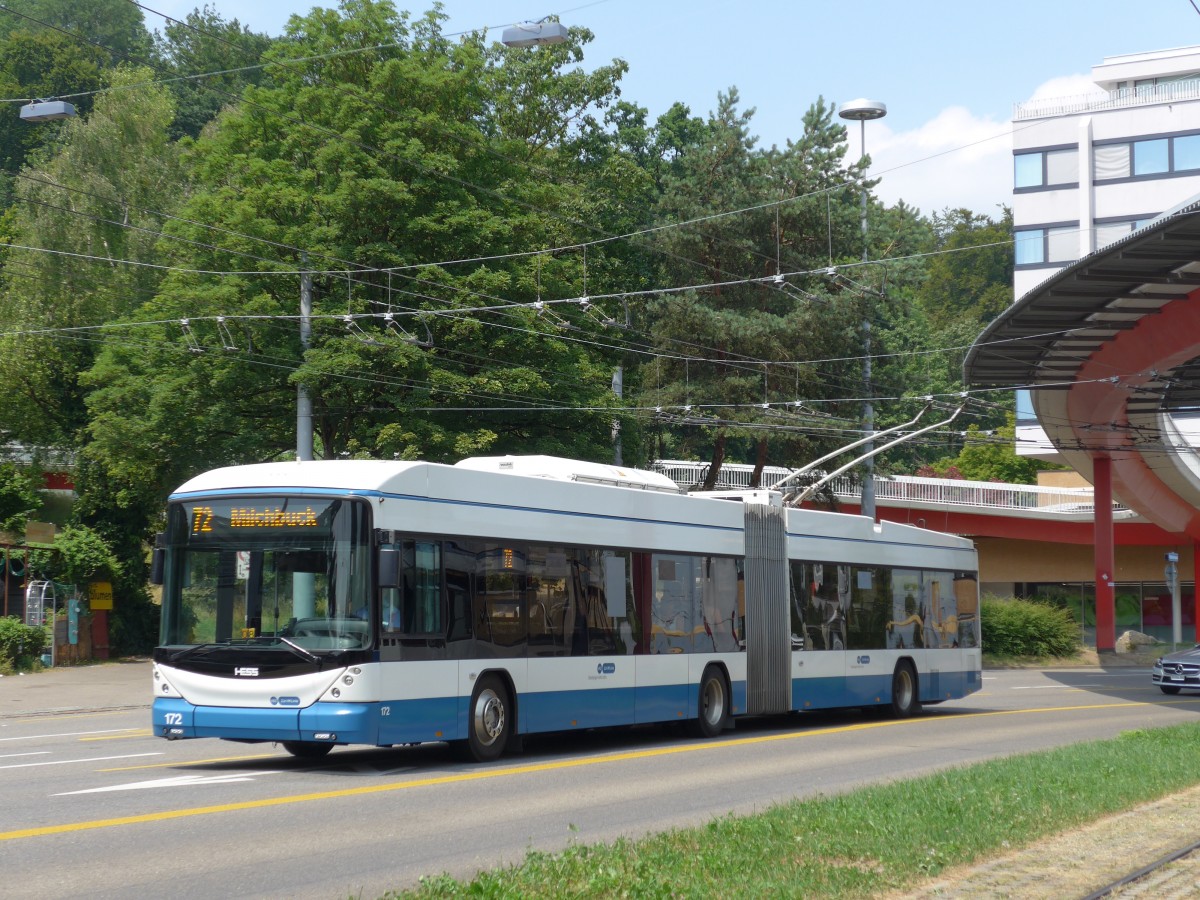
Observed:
{"x":1106,"y":637}
{"x":100,"y":634}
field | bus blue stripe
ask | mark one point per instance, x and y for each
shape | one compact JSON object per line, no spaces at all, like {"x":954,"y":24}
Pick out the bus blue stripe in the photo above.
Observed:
{"x":425,"y":720}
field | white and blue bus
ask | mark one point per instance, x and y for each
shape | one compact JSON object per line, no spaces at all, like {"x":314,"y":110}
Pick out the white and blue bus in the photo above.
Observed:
{"x":386,"y":603}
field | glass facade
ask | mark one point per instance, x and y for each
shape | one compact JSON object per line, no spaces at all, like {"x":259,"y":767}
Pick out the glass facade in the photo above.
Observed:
{"x":1147,"y":158}
{"x":1045,"y":246}
{"x":1046,"y":169}
{"x":1137,"y":606}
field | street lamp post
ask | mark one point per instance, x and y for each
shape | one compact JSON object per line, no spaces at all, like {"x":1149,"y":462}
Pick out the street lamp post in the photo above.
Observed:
{"x":861,"y":111}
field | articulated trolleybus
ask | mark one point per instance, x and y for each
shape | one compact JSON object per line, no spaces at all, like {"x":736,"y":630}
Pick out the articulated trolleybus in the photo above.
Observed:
{"x":383,"y":603}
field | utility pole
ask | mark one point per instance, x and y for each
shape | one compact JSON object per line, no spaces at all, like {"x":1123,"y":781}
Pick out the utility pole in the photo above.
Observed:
{"x":618,"y":386}
{"x":304,"y":425}
{"x":304,"y":584}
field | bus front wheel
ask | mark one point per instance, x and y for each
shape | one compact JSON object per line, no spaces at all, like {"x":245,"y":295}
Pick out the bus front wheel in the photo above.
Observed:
{"x":490,"y":719}
{"x":712,"y":706}
{"x":905,"y":699}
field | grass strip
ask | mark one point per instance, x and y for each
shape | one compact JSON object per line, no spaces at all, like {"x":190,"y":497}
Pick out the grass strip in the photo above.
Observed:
{"x":868,"y":842}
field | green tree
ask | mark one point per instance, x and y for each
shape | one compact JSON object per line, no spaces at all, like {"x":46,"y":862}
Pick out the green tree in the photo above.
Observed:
{"x":88,"y":210}
{"x":747,"y":340}
{"x":81,"y":555}
{"x":965,"y":284}
{"x":56,"y":48}
{"x":205,"y":42}
{"x":43,"y":64}
{"x":18,"y":496}
{"x":368,"y":168}
{"x":992,"y":456}
{"x":115,"y":25}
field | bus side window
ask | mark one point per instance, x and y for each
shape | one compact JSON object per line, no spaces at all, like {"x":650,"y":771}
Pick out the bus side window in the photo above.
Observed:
{"x":674,"y":603}
{"x":420,"y":607}
{"x":460,"y":564}
{"x":719,"y":601}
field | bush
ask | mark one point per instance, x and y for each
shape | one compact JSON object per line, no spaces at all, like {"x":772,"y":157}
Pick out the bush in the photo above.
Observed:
{"x":20,"y":644}
{"x":1025,"y":628}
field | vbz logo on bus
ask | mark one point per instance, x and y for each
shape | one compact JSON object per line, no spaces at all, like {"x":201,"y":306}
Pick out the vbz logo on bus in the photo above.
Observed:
{"x":606,"y":668}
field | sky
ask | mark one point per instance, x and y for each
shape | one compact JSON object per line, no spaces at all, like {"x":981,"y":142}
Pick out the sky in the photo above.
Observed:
{"x":949,"y":71}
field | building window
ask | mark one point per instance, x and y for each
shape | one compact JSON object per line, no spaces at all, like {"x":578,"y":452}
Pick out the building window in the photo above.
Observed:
{"x":1028,"y":170}
{"x":1046,"y":246}
{"x":1151,"y":157}
{"x":1030,"y":247}
{"x":1111,"y":161}
{"x":1046,"y":169}
{"x":1106,"y":231}
{"x":1187,"y":153}
{"x":1147,"y":158}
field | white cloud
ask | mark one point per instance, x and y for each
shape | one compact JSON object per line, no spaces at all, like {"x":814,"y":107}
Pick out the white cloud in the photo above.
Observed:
{"x":1066,"y":86}
{"x":956,"y":159}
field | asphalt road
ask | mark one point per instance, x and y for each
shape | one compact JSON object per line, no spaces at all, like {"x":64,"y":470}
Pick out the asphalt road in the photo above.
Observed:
{"x":92,"y":805}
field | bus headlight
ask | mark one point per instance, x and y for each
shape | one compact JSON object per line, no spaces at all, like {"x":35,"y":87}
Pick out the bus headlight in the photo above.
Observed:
{"x":347,"y":679}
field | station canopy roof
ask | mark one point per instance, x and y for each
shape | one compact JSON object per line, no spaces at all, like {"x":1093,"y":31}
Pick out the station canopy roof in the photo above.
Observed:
{"x":1109,"y":347}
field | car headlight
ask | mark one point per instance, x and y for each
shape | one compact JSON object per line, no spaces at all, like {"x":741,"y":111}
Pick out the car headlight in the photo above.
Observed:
{"x":1158,"y":664}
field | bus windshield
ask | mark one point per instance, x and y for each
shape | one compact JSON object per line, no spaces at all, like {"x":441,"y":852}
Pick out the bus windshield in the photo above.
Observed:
{"x":267,"y":570}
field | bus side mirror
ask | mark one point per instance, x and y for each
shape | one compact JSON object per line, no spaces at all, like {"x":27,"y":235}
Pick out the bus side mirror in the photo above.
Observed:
{"x":389,"y":567}
{"x":158,"y":558}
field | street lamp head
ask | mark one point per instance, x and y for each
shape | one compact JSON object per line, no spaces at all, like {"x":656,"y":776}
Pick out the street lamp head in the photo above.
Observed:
{"x":863,"y":110}
{"x":532,"y":34}
{"x":46,"y":110}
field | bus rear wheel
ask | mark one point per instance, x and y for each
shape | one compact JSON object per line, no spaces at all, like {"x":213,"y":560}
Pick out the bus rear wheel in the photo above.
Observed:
{"x":712,"y":707}
{"x":490,"y":720}
{"x":905,"y":698}
{"x":307,"y":749}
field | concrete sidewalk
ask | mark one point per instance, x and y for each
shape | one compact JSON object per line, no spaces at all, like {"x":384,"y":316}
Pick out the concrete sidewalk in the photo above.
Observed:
{"x":120,"y":684}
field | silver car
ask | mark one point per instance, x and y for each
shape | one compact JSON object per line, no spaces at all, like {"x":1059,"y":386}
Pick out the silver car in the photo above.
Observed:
{"x":1178,"y":670}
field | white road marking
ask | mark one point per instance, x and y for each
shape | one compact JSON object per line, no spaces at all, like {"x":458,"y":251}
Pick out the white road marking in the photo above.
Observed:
{"x":178,"y":781}
{"x":31,"y":737}
{"x":67,"y":762}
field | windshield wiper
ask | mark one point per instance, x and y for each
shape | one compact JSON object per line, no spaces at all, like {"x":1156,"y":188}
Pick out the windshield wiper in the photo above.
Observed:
{"x":302,"y":652}
{"x":299,"y":651}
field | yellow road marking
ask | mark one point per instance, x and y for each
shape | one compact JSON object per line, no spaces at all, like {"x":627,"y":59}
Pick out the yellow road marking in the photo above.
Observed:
{"x":130,"y":733}
{"x":481,"y":774}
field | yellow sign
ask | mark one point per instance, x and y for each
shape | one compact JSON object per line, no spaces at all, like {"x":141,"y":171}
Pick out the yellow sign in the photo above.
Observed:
{"x":100,"y":595}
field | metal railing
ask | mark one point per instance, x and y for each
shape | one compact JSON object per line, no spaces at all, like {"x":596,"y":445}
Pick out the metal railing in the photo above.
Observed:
{"x":1118,"y":99}
{"x":908,"y":490}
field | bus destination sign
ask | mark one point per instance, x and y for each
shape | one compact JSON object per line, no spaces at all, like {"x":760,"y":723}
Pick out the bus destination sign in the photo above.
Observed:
{"x":203,"y":518}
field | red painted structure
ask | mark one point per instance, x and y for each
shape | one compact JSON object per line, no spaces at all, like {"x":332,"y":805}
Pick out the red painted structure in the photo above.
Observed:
{"x":1109,"y":348}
